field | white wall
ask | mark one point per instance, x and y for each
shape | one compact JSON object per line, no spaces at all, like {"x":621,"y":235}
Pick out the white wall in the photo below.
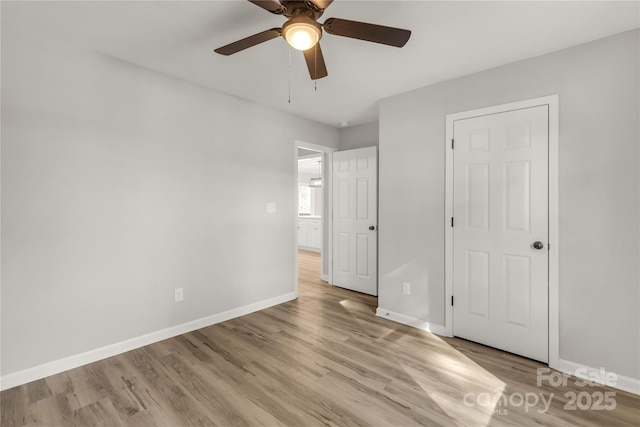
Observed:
{"x":119,"y":185}
{"x":360,"y":136}
{"x":598,"y":84}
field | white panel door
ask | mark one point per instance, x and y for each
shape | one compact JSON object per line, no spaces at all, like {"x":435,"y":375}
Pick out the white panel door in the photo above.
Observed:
{"x":355,"y":220}
{"x":500,"y":233}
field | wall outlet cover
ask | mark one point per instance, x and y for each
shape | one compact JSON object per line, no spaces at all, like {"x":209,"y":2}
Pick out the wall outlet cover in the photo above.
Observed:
{"x":406,"y":288}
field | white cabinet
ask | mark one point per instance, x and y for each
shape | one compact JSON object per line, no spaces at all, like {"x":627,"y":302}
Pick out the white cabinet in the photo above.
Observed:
{"x":302,"y":232}
{"x":310,"y":233}
{"x":314,"y":233}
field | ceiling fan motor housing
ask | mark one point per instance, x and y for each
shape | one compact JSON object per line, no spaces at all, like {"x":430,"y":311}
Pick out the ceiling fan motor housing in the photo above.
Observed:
{"x":295,"y":8}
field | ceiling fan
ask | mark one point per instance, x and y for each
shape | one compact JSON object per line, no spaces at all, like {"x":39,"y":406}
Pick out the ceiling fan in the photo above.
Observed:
{"x":303,"y":31}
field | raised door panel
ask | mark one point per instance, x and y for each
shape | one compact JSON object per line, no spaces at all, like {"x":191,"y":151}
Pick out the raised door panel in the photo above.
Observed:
{"x":517,"y":280}
{"x":478,"y":196}
{"x":343,"y":253}
{"x":517,"y":191}
{"x":477,"y":281}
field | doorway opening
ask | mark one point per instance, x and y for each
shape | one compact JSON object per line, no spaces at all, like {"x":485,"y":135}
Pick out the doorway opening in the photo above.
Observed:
{"x":313,"y":206}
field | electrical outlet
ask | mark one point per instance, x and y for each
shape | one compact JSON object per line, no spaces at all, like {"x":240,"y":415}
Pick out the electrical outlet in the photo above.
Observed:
{"x":406,"y":288}
{"x":178,"y":294}
{"x":271,"y":208}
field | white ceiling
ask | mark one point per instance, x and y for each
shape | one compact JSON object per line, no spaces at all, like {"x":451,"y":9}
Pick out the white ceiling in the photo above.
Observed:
{"x":449,"y":39}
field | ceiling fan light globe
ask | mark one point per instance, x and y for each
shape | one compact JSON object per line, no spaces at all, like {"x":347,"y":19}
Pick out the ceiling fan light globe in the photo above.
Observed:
{"x":302,"y":35}
{"x":301,"y":39}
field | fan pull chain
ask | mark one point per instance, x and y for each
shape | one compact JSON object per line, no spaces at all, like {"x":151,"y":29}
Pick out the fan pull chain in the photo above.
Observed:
{"x":315,"y":66}
{"x":289,"y":75}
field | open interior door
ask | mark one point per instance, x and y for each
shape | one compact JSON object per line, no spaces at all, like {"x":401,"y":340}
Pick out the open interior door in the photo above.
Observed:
{"x":355,"y":220}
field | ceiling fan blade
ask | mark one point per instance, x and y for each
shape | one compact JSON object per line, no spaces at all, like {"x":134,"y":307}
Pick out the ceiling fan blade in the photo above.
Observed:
{"x":248,"y":42}
{"x":369,"y":32}
{"x":321,"y":4}
{"x":270,"y":5}
{"x":315,"y":62}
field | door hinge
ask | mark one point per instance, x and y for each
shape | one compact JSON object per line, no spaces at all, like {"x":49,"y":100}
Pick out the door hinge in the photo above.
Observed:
{"x":451,"y":300}
{"x":452,"y":143}
{"x":452,"y":221}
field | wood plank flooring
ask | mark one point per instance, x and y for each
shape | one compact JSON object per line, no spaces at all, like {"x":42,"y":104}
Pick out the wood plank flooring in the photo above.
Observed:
{"x":324,"y":359}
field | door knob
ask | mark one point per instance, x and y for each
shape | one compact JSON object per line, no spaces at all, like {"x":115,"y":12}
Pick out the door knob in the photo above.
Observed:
{"x":538,"y":245}
{"x":372,"y":227}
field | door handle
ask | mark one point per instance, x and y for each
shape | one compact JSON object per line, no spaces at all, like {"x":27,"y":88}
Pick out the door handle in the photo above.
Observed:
{"x":372,"y":227}
{"x":537,"y":245}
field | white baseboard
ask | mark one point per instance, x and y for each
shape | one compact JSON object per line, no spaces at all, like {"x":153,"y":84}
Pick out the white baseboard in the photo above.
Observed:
{"x":599,"y":375}
{"x":410,"y":321}
{"x":51,"y":368}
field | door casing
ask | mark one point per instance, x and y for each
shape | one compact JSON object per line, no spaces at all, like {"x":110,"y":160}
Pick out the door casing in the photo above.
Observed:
{"x":552,"y":102}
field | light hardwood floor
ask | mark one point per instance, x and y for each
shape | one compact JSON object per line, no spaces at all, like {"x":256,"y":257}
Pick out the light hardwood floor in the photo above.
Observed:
{"x":324,"y":359}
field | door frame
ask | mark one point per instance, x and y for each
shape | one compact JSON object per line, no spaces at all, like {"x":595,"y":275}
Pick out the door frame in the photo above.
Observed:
{"x":327,"y":225}
{"x":552,"y":102}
